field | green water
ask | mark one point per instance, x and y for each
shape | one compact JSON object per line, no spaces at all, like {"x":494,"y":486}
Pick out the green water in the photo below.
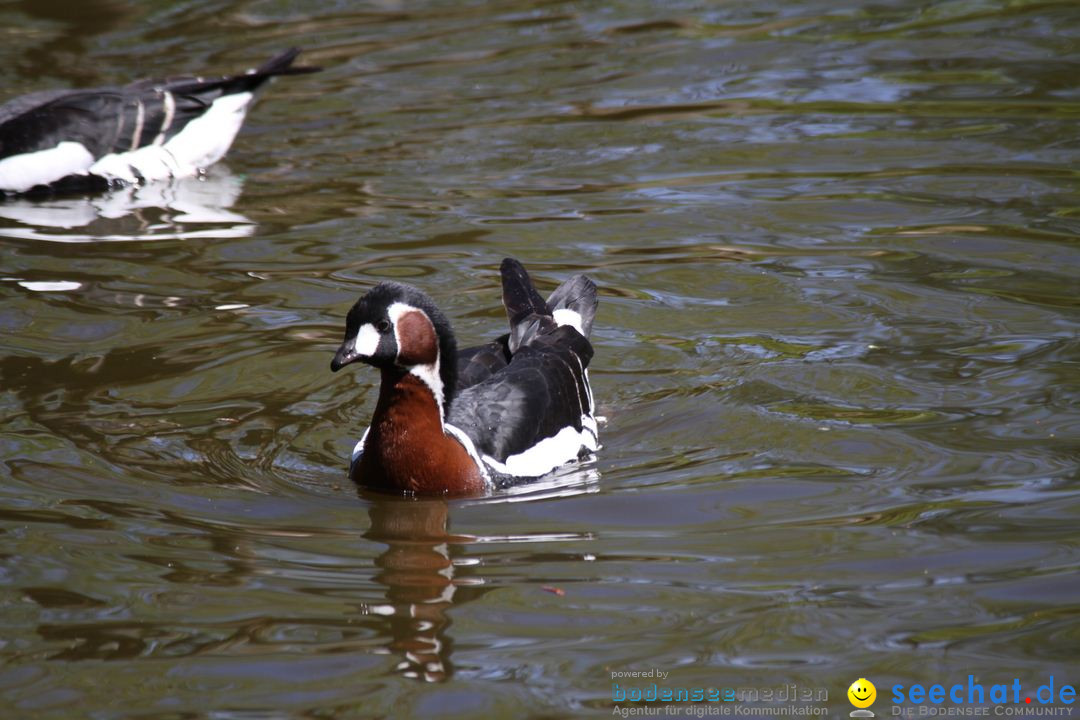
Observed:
{"x":837,"y":350}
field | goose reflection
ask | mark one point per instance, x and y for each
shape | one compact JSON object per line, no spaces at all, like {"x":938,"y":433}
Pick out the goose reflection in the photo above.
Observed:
{"x":176,"y":209}
{"x":425,"y":571}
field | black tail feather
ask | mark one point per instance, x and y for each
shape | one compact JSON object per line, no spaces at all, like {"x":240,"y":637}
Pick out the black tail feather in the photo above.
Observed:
{"x":529,"y":315}
{"x":281,"y":64}
{"x":208,"y":89}
{"x":577,"y":294}
{"x":526,"y":310}
{"x":519,"y":296}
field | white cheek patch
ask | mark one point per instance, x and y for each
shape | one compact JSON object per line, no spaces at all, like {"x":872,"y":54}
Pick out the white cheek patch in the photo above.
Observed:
{"x":367,"y":340}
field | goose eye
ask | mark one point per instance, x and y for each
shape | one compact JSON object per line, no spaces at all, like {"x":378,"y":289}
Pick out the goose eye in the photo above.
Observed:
{"x":383,"y":325}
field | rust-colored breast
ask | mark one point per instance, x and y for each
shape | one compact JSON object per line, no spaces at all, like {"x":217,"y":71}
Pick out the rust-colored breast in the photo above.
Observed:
{"x":406,"y":448}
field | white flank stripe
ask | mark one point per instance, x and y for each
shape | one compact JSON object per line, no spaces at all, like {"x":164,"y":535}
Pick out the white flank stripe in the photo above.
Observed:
{"x":549,"y":453}
{"x":367,"y":340}
{"x":19,"y":173}
{"x":566,"y":316}
{"x":201,"y":143}
{"x":140,"y":119}
{"x":585,"y":409}
{"x":170,"y":111}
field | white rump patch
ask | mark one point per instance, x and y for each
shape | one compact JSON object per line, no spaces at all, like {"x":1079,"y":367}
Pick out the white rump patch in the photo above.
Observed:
{"x":367,"y":340}
{"x":19,"y":173}
{"x":566,"y":316}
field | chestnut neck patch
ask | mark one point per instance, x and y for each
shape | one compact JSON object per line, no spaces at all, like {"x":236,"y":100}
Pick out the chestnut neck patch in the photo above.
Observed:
{"x":417,"y":342}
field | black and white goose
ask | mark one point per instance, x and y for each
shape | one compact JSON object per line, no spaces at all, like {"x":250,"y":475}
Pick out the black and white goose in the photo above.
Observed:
{"x":94,"y":139}
{"x":450,"y":422}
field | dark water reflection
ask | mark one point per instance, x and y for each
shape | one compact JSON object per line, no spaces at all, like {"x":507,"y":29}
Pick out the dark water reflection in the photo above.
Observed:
{"x":837,"y":350}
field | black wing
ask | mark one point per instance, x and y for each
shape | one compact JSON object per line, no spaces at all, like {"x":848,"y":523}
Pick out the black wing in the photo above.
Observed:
{"x":540,"y":392}
{"x":479,"y":363}
{"x":88,"y":117}
{"x":24,"y":103}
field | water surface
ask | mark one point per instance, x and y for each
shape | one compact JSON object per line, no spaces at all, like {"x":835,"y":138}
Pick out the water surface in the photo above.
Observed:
{"x":837,"y":349}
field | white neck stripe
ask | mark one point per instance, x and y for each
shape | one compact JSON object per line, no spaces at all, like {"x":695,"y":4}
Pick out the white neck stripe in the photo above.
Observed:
{"x":428,"y":374}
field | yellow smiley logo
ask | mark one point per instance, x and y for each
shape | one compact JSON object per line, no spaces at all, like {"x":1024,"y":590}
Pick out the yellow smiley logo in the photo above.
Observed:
{"x":862,"y":693}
